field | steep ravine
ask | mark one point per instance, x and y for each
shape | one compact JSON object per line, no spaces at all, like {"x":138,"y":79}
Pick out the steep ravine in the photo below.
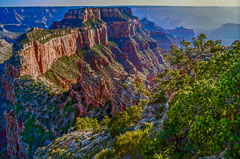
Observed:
{"x":57,"y":75}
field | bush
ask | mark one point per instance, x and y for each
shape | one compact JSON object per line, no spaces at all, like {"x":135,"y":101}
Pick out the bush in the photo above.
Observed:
{"x":106,"y":154}
{"x":122,"y":120}
{"x":105,"y":121}
{"x":130,"y":143}
{"x":88,"y":123}
{"x":119,"y":123}
{"x":134,"y":113}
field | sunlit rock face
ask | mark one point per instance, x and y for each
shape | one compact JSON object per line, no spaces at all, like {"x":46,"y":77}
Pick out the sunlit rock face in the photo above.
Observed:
{"x":85,"y":65}
{"x":38,"y":57}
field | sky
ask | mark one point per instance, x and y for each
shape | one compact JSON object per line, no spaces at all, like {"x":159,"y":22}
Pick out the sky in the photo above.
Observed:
{"x":224,"y":3}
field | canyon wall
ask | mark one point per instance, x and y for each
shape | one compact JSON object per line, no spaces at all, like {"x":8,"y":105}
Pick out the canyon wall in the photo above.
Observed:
{"x":116,"y":24}
{"x":37,"y":58}
{"x":165,"y":38}
{"x":81,"y":67}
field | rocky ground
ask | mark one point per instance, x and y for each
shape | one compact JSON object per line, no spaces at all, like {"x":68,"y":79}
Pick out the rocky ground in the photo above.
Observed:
{"x":5,"y":50}
{"x":55,"y":76}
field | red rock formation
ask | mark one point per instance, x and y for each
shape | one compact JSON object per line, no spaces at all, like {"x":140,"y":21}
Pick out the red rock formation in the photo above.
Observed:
{"x":37,"y":58}
{"x":84,"y":14}
{"x":163,"y":37}
{"x":15,"y":146}
{"x":122,"y":28}
{"x":100,"y":77}
{"x":122,"y":58}
{"x":120,"y":21}
{"x":8,"y":83}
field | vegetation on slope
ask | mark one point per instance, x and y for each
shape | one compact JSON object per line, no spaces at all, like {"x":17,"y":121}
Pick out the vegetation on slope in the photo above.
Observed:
{"x":66,"y":68}
{"x":44,"y":111}
{"x":203,"y":117}
{"x":41,"y":35}
{"x":5,"y":51}
{"x":93,"y":24}
{"x":202,"y":91}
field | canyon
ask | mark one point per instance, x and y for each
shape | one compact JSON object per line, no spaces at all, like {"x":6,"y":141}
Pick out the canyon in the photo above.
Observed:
{"x":88,"y":68}
{"x":110,"y":82}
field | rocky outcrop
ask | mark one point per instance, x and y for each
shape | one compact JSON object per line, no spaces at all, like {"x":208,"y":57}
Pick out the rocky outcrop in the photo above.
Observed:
{"x":84,"y":144}
{"x":182,"y":33}
{"x":163,"y":37}
{"x":8,"y":83}
{"x":37,"y":58}
{"x":83,"y":14}
{"x":167,"y":37}
{"x":123,"y":93}
{"x":134,"y":50}
{"x":5,"y":50}
{"x":120,"y":21}
{"x":77,"y":17}
{"x":58,"y":75}
{"x":122,"y":58}
{"x":16,"y":147}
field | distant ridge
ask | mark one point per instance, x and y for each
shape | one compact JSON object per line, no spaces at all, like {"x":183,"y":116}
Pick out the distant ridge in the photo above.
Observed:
{"x":227,"y":33}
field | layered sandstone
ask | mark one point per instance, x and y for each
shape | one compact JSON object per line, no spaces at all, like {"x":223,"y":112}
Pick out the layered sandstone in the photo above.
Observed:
{"x":5,"y":50}
{"x":163,"y":37}
{"x":37,"y":58}
{"x":92,"y":71}
{"x":120,"y":21}
{"x":83,"y":14}
{"x":137,"y":51}
{"x":16,"y":147}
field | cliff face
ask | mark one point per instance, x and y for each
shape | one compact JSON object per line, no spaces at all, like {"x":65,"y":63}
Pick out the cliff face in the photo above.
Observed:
{"x":57,"y":75}
{"x":182,"y":33}
{"x":134,"y":46}
{"x":167,"y":37}
{"x":117,"y":19}
{"x":37,"y":58}
{"x":84,"y":14}
{"x":164,"y":39}
{"x":5,"y":50}
{"x":16,"y":147}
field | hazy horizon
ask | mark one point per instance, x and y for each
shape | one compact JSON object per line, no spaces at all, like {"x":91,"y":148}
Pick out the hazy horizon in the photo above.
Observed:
{"x":193,"y":3}
{"x":123,"y":6}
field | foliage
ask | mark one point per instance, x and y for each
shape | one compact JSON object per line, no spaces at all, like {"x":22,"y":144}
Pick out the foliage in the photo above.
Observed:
{"x":65,"y":67}
{"x":204,"y":111}
{"x":156,"y":144}
{"x":93,"y":24}
{"x":68,"y":106}
{"x":105,"y":121}
{"x":122,"y":120}
{"x":185,"y":65}
{"x":33,"y":134}
{"x":105,"y":154}
{"x":214,"y":134}
{"x":119,"y":123}
{"x":38,"y":34}
{"x":130,"y":143}
{"x":88,"y":123}
{"x":137,"y":83}
{"x":134,"y":113}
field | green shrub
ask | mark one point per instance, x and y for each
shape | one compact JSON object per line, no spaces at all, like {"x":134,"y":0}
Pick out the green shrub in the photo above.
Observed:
{"x":106,"y":154}
{"x":88,"y":123}
{"x":105,"y":121}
